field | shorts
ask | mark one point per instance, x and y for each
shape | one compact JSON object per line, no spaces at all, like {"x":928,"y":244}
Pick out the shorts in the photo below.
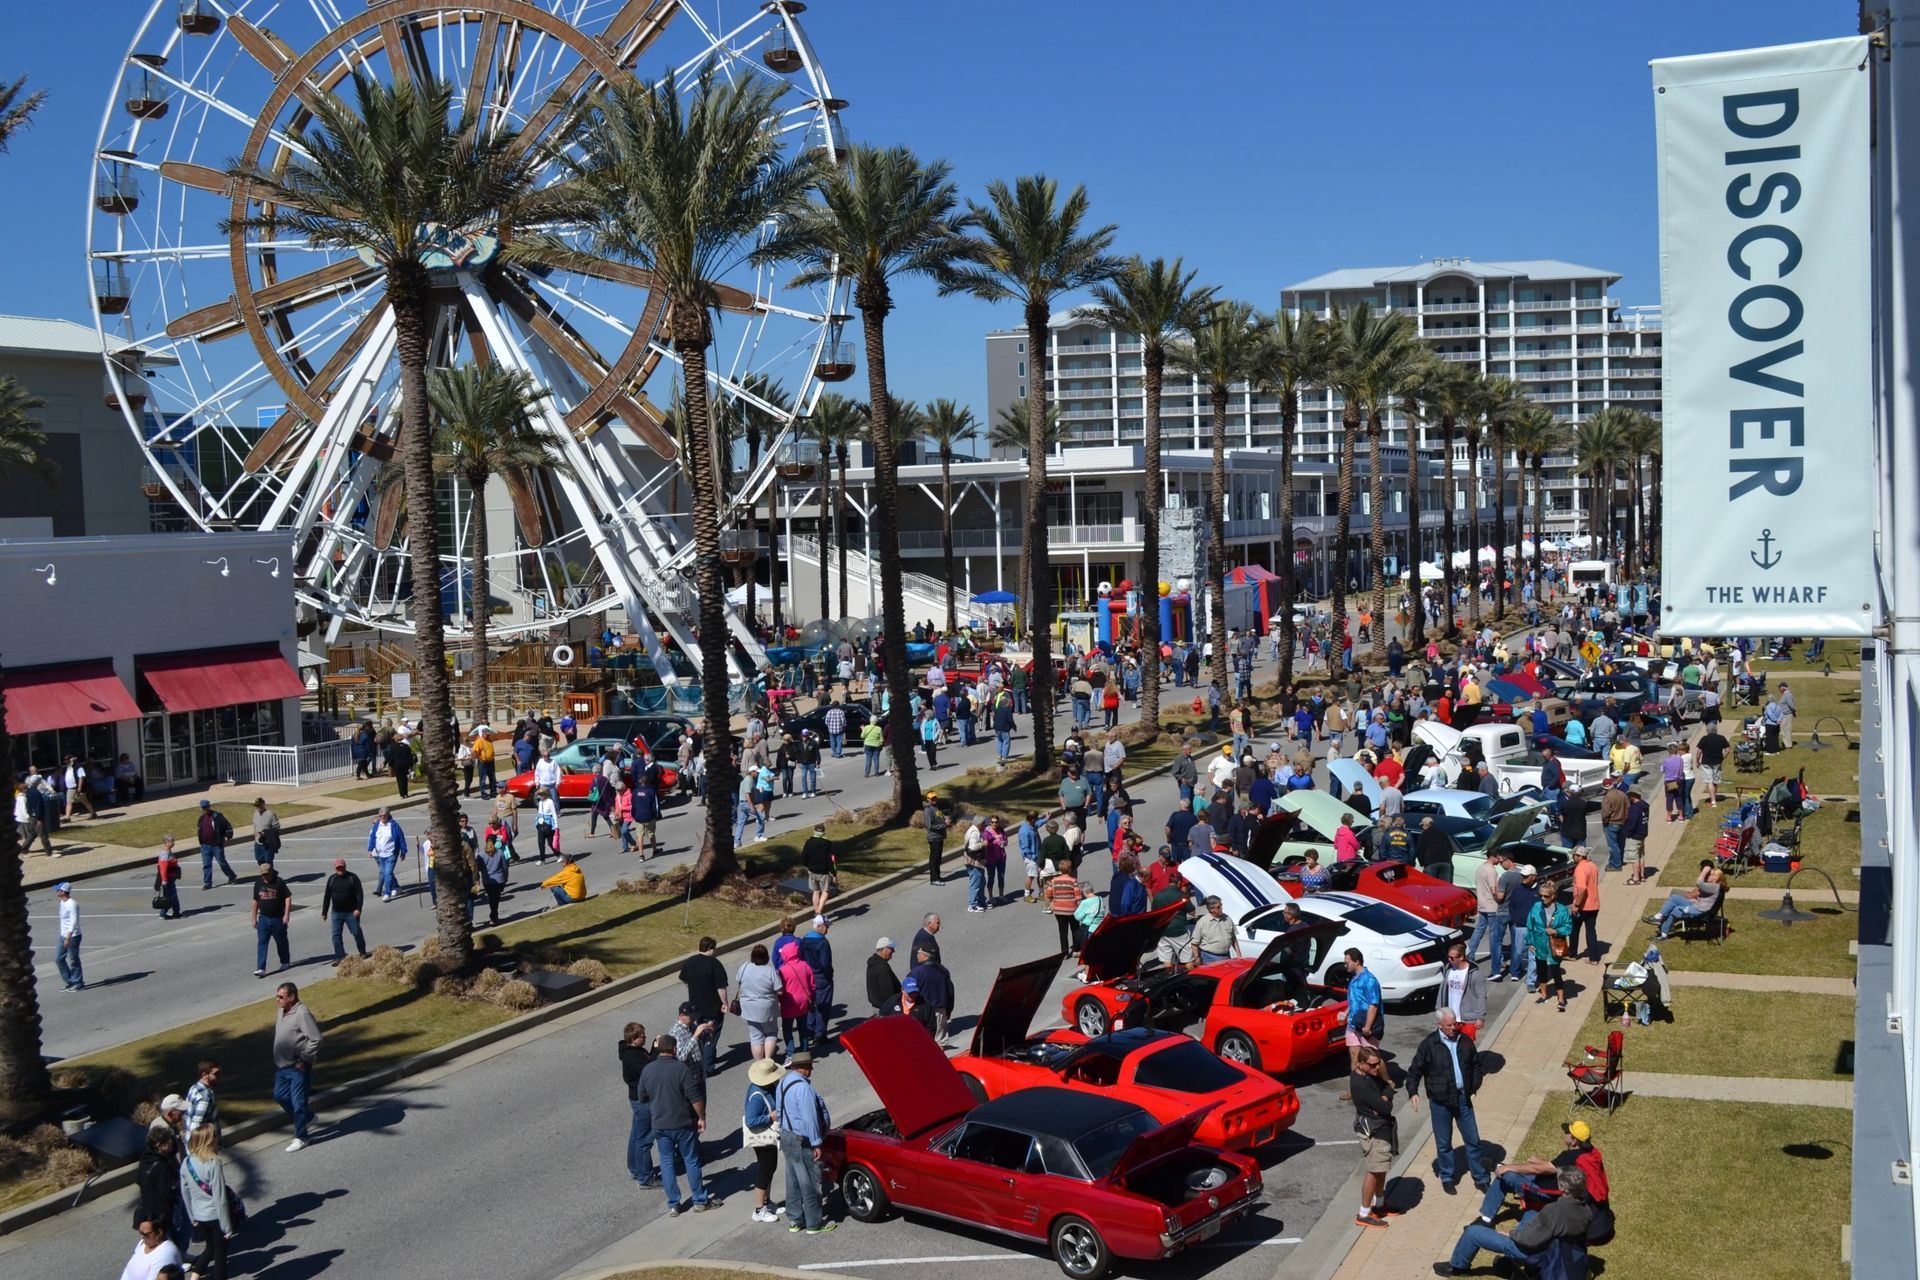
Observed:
{"x":1357,"y":1039}
{"x":1377,"y":1154}
{"x":757,"y":1031}
{"x":646,"y":831}
{"x":1033,"y":868}
{"x":1174,"y":951}
{"x":1635,"y":848}
{"x":817,"y":883}
{"x":1710,"y":774}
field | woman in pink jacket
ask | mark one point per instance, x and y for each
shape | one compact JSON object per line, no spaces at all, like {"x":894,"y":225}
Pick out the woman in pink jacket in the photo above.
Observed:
{"x":796,"y":996}
{"x":1346,"y":841}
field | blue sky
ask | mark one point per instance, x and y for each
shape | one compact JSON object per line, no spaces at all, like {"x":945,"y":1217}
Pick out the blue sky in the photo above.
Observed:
{"x":1265,"y":142}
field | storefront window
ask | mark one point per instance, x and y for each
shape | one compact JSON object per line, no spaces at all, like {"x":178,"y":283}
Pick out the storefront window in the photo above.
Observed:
{"x":50,"y":747}
{"x":184,"y":747}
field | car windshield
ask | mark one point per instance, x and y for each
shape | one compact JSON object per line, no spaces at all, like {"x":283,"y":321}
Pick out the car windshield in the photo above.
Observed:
{"x":1186,"y":1067}
{"x":1101,"y":1148}
{"x":1378,"y":917}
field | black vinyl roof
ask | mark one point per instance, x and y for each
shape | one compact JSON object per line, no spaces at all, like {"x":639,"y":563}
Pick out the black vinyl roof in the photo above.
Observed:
{"x":1058,"y":1113}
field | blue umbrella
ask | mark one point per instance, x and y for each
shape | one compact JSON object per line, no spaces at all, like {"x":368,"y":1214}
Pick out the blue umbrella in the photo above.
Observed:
{"x":996,"y":597}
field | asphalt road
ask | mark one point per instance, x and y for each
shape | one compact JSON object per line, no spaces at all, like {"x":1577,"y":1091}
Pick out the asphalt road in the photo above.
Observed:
{"x":514,"y":1164}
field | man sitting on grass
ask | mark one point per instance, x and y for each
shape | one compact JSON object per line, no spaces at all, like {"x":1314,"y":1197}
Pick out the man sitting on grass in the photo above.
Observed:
{"x":569,"y":883}
{"x":1538,"y":1180}
{"x":1541,"y":1238}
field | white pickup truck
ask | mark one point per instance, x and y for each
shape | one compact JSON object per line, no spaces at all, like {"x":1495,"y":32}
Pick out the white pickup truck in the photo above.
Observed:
{"x":1508,"y":754}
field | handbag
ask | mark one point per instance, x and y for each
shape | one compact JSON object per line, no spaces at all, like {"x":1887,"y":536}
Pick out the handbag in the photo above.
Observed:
{"x":1560,"y":945}
{"x":159,"y":902}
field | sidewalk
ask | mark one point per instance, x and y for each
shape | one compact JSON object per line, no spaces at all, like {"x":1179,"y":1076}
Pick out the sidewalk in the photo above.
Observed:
{"x":77,"y":857}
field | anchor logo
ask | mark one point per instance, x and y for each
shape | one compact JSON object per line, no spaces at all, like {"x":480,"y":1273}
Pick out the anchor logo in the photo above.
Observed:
{"x":1766,"y":557}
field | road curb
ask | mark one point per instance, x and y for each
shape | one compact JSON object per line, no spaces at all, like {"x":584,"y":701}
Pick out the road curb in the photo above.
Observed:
{"x":306,"y":822}
{"x":704,"y":1264}
{"x":124,"y":1175}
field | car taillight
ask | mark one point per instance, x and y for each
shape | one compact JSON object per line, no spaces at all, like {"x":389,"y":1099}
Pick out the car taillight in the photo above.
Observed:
{"x":1414,"y":959}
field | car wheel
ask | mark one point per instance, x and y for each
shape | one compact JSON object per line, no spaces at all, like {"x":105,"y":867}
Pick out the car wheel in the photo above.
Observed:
{"x":1079,"y":1250}
{"x":1236,"y":1046}
{"x":974,"y":1087}
{"x":1091,"y":1017}
{"x":866,"y":1198}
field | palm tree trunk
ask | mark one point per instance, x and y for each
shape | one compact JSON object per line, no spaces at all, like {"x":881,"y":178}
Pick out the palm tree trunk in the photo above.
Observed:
{"x":1539,"y":526}
{"x":946,"y":532}
{"x":1343,"y":533}
{"x":823,"y":487}
{"x":1448,"y":532}
{"x":1289,"y":419}
{"x":408,"y":293}
{"x":871,"y":298}
{"x":1499,"y":523}
{"x":717,"y":858}
{"x":840,"y":531}
{"x":752,"y":571}
{"x":1416,"y":616}
{"x":774,"y":560}
{"x":1217,"y":542}
{"x":1377,"y":536}
{"x":26,"y":1090}
{"x":482,"y":615}
{"x":1653,"y":508}
{"x":1473,"y":529}
{"x":1153,"y":494}
{"x":1041,"y":688}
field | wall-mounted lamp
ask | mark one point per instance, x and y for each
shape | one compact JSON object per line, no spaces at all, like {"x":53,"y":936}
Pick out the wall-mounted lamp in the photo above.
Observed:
{"x":225,"y":572}
{"x":47,"y":569}
{"x":275,"y":562}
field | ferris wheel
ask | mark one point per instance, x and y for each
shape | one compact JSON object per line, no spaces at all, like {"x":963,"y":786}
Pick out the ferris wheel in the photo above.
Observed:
{"x":258,"y":371}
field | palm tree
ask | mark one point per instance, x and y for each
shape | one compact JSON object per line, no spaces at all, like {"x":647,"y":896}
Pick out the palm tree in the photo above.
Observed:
{"x":1372,"y":356}
{"x":1349,"y":441}
{"x":1009,"y":430}
{"x":836,"y":421}
{"x":1033,"y":248}
{"x":1601,"y":444}
{"x":1449,"y":400}
{"x":378,"y":178}
{"x":26,"y":1089}
{"x":16,"y":112}
{"x":1295,"y":356}
{"x":682,"y":189}
{"x":482,"y":430}
{"x":761,"y":427}
{"x":1535,"y":434}
{"x":1155,"y":300}
{"x":1642,"y":442}
{"x":1417,"y":390}
{"x":1224,"y":349}
{"x":22,"y":442}
{"x":1495,"y":402}
{"x":947,"y":424}
{"x":883,"y":214}
{"x":1506,"y":412}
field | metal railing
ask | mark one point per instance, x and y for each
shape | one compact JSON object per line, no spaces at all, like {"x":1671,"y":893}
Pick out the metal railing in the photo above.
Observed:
{"x":1431,"y":308}
{"x":286,"y":766}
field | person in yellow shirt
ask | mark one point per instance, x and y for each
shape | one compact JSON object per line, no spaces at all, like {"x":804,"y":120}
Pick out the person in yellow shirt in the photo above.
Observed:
{"x":1624,"y":759}
{"x":483,"y":758}
{"x":569,"y":883}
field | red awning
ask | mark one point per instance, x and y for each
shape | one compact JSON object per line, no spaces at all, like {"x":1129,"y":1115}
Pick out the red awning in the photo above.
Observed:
{"x":219,"y":678}
{"x":67,"y":697}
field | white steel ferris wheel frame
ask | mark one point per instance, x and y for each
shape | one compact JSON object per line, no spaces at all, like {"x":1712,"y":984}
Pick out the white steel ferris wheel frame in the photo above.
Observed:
{"x":312,"y":473}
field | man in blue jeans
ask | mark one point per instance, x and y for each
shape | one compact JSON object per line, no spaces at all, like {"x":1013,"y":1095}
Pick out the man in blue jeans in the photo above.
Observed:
{"x":296,"y":1046}
{"x":1003,"y":725}
{"x":803,"y":1126}
{"x":836,"y":726}
{"x":1565,"y":1219}
{"x":1490,"y":919}
{"x":1447,"y":1066}
{"x":676,"y":1100}
{"x":272,"y":909}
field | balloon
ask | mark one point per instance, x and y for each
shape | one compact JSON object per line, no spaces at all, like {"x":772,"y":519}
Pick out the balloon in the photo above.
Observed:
{"x":1166,"y":588}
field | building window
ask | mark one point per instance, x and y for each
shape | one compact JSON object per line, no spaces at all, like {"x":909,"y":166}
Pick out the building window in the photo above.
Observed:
{"x":1020,"y":347}
{"x":1023,"y":368}
{"x":1023,"y":391}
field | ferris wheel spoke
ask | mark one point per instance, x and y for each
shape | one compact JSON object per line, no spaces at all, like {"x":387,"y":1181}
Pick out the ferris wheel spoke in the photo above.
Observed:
{"x":277,"y":435}
{"x":483,"y":54}
{"x":274,"y":57}
{"x":631,"y":30}
{"x":560,"y":337}
{"x":222,"y":319}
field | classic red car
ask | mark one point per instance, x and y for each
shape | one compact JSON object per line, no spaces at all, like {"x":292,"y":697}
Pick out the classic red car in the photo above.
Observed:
{"x":1392,"y":881}
{"x":1166,"y":1073}
{"x":1262,"y":1014}
{"x":577,"y":764}
{"x":1093,"y":1176}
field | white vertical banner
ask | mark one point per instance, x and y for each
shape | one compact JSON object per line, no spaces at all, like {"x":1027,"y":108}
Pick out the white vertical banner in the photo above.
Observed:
{"x":1766,"y":296}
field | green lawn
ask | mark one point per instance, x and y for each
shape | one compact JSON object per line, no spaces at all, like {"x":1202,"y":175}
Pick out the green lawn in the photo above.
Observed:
{"x":181,"y":824}
{"x":381,"y":790}
{"x":1816,"y":949}
{"x":1718,"y":1188}
{"x":1738,"y":1033}
{"x":1828,"y":840}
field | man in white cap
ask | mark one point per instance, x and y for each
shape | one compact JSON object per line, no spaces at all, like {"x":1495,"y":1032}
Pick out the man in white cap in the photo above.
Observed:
{"x":67,"y":960}
{"x":883,"y":985}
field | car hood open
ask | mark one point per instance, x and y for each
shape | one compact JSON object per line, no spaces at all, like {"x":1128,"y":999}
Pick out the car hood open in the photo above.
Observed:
{"x":1303,"y":950}
{"x":1174,"y":1136}
{"x":1016,"y":995}
{"x":917,"y":1085}
{"x":1113,"y":949}
{"x":1240,"y":885}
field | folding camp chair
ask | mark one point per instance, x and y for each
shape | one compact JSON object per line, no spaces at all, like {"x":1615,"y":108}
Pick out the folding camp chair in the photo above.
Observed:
{"x":1597,"y":1077}
{"x":1628,"y":988}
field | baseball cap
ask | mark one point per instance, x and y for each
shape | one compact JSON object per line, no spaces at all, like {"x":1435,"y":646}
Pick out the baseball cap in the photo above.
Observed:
{"x":63,"y":887}
{"x":819,"y":922}
{"x":933,"y":795}
{"x":339,"y":864}
{"x":686,"y":1007}
{"x":1578,"y":1130}
{"x":885,"y":944}
{"x":910,"y":984}
{"x":206,"y":804}
{"x":1527,"y":870}
{"x":173,"y":1102}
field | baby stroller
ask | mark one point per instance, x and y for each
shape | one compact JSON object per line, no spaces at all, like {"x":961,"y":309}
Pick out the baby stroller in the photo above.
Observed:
{"x":1737,"y":846}
{"x":1748,"y":756}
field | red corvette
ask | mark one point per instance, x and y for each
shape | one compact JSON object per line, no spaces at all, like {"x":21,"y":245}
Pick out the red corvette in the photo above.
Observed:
{"x":577,"y":770}
{"x":1394,"y":882}
{"x":1167,"y":1074}
{"x":1093,"y":1176}
{"x":1262,"y":1014}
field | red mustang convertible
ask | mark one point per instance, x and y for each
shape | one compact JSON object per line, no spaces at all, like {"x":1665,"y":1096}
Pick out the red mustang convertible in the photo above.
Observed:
{"x":1393,"y":881}
{"x":1092,"y":1176}
{"x":1167,"y":1074}
{"x":1261,"y":1015}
